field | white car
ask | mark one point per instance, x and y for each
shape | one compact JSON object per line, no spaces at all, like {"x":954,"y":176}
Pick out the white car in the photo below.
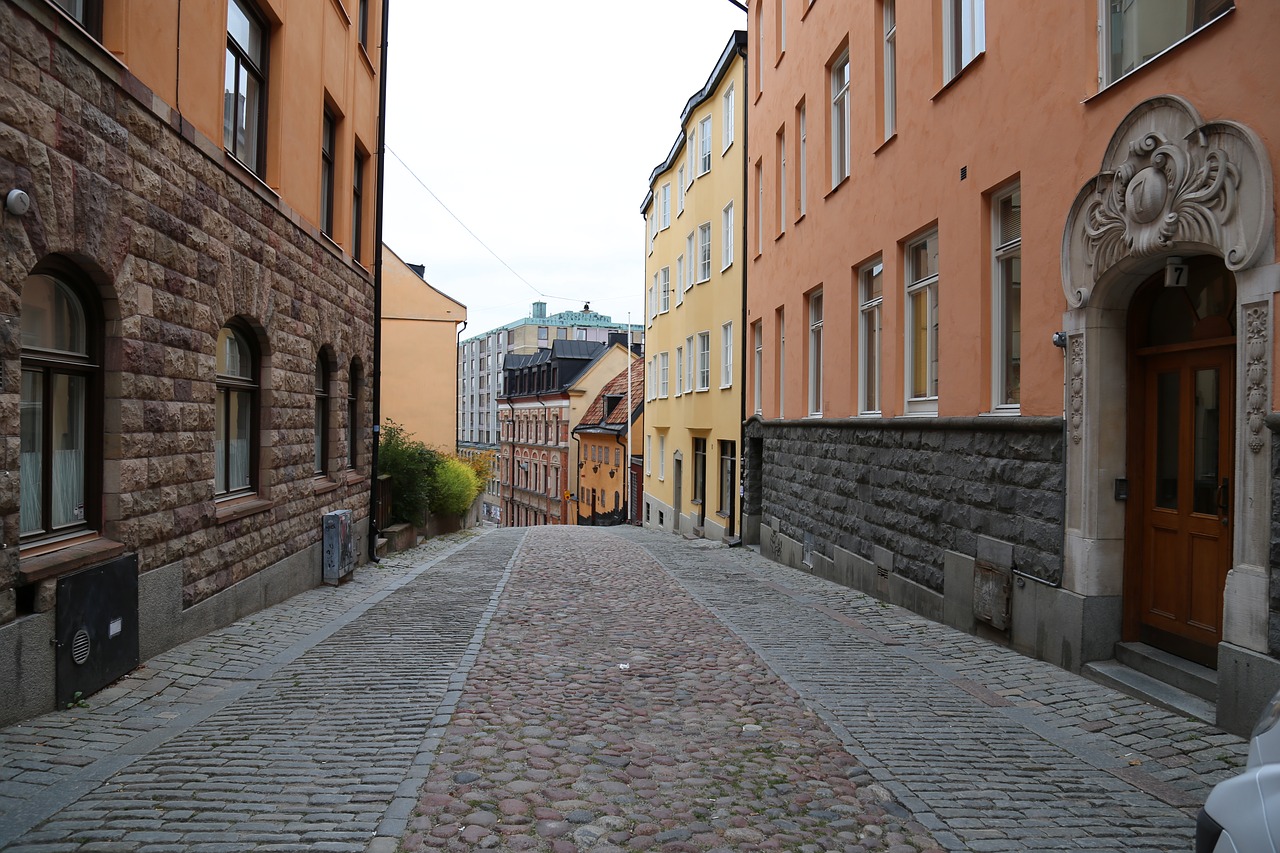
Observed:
{"x":1242,"y":814}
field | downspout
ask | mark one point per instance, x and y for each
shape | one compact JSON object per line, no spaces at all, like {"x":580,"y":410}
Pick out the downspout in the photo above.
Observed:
{"x":377,"y":285}
{"x":746,"y":329}
{"x":457,"y":381}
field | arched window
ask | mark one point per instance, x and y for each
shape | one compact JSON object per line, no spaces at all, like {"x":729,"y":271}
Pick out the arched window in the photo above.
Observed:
{"x":353,"y":413}
{"x":59,"y":466}
{"x":321,"y":420}
{"x":235,"y":438}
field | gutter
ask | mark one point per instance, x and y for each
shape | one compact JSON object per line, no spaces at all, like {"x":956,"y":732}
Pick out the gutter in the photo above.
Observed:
{"x":377,"y":285}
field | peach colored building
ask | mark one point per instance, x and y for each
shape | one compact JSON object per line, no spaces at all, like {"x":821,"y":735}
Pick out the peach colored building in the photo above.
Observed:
{"x":608,"y":437}
{"x":186,"y":262}
{"x":419,"y":337}
{"x":1011,"y":343}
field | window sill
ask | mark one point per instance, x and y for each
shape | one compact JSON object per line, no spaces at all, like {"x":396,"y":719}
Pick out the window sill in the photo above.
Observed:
{"x":57,"y":559}
{"x":959,"y":74}
{"x":323,"y":484}
{"x":833,"y":190}
{"x":885,"y":144}
{"x":237,"y":508}
{"x":726,"y":387}
{"x":1003,"y":411}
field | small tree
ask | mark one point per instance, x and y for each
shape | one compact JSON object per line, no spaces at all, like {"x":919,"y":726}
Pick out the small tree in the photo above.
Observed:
{"x":412,"y":467}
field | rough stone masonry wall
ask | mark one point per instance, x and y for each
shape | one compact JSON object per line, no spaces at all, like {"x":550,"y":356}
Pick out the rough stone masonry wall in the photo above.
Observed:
{"x":1273,"y":627}
{"x":177,"y":246}
{"x":919,"y":487}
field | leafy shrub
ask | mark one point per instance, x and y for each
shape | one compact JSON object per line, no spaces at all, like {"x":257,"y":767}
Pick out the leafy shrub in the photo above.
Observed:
{"x":412,"y":467}
{"x":456,"y":487}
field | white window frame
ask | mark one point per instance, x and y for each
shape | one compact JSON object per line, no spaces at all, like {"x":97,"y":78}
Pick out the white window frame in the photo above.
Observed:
{"x":664,"y":276}
{"x":782,"y":181}
{"x":727,"y":131}
{"x":759,"y":207}
{"x":679,"y":371}
{"x":1006,"y":334}
{"x":815,"y":354}
{"x":921,"y":281}
{"x":890,"y":49}
{"x":704,"y":361}
{"x":869,"y":329}
{"x":666,"y":207}
{"x":802,"y":169}
{"x":691,"y":158}
{"x":662,"y":457}
{"x":726,"y":355}
{"x":688,"y":377}
{"x":782,"y":362}
{"x":679,"y":190}
{"x":704,"y":150}
{"x":726,"y":251}
{"x":690,"y":248}
{"x":964,"y":34}
{"x":840,"y":146}
{"x":648,"y":455}
{"x":757,"y":380}
{"x":653,"y":229}
{"x":664,"y":365}
{"x":704,"y":252}
{"x":680,"y":274}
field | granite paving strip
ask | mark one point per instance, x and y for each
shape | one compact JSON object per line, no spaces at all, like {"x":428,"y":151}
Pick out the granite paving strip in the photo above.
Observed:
{"x":608,"y":710}
{"x":990,"y":749}
{"x":298,"y":728}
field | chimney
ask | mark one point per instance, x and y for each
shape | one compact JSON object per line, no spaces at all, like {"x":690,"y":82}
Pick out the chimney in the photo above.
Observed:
{"x":420,"y":269}
{"x":539,"y":310}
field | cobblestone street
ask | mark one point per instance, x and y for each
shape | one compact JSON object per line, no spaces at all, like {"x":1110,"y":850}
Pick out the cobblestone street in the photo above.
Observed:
{"x":565,"y":689}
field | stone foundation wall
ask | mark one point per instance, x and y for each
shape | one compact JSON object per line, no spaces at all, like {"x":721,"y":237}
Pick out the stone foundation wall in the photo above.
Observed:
{"x":918,"y":488}
{"x":177,"y":240}
{"x":1273,"y":622}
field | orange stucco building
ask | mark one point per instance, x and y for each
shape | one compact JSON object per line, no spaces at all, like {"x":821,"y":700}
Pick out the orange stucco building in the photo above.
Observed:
{"x":608,"y":437}
{"x":187,"y":249}
{"x":1047,"y":420}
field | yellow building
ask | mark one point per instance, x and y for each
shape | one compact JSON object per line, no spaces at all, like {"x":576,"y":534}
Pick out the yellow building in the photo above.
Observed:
{"x":695,"y":280}
{"x":419,"y":346}
{"x":607,"y":438}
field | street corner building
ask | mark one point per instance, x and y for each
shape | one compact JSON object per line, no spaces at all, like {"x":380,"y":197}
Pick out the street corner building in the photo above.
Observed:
{"x":609,"y":489}
{"x":695,"y":277}
{"x":188,"y":333}
{"x":1052,"y":423}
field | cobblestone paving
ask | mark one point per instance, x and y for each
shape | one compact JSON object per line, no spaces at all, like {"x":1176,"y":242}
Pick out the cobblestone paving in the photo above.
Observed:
{"x":294,"y":729}
{"x":989,"y":749}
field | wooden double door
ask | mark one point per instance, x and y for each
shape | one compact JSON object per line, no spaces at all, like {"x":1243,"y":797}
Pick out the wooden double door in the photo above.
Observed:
{"x":1181,"y":460}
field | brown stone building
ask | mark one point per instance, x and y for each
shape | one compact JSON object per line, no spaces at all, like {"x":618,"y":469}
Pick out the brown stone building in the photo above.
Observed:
{"x":187,"y":336}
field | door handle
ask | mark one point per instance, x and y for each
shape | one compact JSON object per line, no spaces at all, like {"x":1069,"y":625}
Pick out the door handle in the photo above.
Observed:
{"x":1223,"y":491}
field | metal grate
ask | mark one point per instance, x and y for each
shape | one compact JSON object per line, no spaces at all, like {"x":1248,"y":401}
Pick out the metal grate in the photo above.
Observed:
{"x":80,"y":647}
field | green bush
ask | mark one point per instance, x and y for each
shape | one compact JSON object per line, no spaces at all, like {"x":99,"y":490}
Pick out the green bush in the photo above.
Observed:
{"x":456,"y":487}
{"x":413,"y":467}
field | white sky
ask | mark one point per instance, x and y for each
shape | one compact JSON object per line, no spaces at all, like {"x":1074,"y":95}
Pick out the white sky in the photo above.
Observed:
{"x":537,"y":124}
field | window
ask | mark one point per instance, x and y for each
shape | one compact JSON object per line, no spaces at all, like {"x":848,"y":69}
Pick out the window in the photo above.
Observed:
{"x":235,"y":442}
{"x":357,"y":206}
{"x":1007,"y":299}
{"x":244,"y":108}
{"x":679,"y":371}
{"x":870,"y":297}
{"x":88,"y":14}
{"x":666,"y":206}
{"x":704,"y":152}
{"x":653,"y":229}
{"x":662,"y":457}
{"x":689,"y":252}
{"x":704,"y":361}
{"x":353,"y":413}
{"x":704,"y":252}
{"x":680,"y":274}
{"x":542,"y":335}
{"x":890,"y":49}
{"x":1135,"y":32}
{"x":922,"y":324}
{"x":782,"y":28}
{"x":759,"y":207}
{"x":757,"y":365}
{"x":759,"y":48}
{"x":726,"y":130}
{"x":726,"y":355}
{"x":840,"y":119}
{"x":327,"y":144}
{"x":651,"y":300}
{"x":690,"y":147}
{"x":726,"y":253}
{"x":664,"y":276}
{"x":688,"y":377}
{"x":60,"y":454}
{"x":680,"y":190}
{"x":648,"y":454}
{"x":802,"y":172}
{"x":782,"y":181}
{"x":663,"y":365}
{"x":320,"y":424}
{"x":815,"y":353}
{"x":781,"y":372}
{"x":964,"y":34}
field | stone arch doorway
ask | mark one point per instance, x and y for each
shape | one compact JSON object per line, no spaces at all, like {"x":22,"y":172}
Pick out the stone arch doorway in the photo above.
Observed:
{"x":1180,"y":448}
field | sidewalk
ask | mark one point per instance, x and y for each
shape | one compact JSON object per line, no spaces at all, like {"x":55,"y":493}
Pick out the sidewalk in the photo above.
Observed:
{"x":564,"y":689}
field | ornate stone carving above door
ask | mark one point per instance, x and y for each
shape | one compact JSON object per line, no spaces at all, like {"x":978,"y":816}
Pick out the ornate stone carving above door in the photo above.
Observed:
{"x":1169,"y":184}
